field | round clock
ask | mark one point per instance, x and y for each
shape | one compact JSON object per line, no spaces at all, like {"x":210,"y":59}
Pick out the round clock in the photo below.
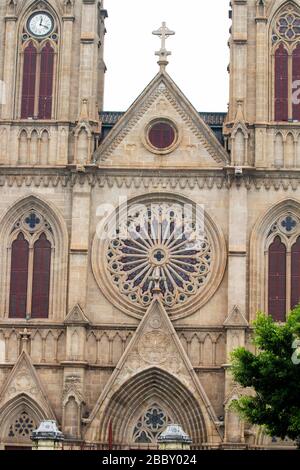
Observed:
{"x":40,"y":24}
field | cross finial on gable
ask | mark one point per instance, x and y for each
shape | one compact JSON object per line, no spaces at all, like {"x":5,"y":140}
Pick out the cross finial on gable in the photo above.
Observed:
{"x":163,"y":32}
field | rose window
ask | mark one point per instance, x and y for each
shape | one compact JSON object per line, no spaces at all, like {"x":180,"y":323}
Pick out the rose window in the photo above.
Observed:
{"x":22,"y":426}
{"x":150,"y":425}
{"x":162,"y":245}
{"x":163,"y":248}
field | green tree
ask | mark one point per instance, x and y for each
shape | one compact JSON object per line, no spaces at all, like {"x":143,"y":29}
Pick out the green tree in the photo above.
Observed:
{"x":274,"y":374}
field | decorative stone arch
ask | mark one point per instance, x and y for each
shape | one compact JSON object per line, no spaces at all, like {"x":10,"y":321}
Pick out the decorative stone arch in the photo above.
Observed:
{"x":180,"y":310}
{"x":59,"y":258}
{"x":258,"y":245}
{"x":23,"y":12}
{"x":72,"y":404}
{"x":12,"y":411}
{"x":152,"y":385}
{"x":239,"y":144}
{"x":53,"y":6}
{"x":274,"y":8}
{"x":83,"y":143}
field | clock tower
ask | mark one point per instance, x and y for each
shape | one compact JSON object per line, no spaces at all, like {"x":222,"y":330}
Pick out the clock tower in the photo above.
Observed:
{"x":52,"y":80}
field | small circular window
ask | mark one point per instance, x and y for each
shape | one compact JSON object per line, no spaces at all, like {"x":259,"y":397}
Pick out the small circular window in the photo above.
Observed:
{"x":162,"y":135}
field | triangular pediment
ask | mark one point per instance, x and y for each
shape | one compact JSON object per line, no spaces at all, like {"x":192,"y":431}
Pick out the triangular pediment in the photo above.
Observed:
{"x":76,"y":316}
{"x":23,"y":380}
{"x":196,"y":145}
{"x":236,"y":319}
{"x":155,"y":344}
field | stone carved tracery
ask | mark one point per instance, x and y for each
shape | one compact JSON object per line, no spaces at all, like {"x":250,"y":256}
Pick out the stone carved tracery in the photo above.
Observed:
{"x":287,"y":25}
{"x":150,"y":425}
{"x":160,"y":237}
{"x":159,"y":240}
{"x":22,"y":426}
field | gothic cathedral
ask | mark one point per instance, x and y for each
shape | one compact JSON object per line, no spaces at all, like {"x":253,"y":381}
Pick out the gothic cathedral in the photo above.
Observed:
{"x":136,"y":248}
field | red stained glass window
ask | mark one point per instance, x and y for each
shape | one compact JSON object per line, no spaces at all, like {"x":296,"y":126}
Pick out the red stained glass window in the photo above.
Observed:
{"x":19,"y":278}
{"x":161,"y":135}
{"x":296,"y":83}
{"x":46,"y":82}
{"x":29,"y":80}
{"x":281,"y":84}
{"x":295,"y":280}
{"x":277,"y":280}
{"x":41,"y":278}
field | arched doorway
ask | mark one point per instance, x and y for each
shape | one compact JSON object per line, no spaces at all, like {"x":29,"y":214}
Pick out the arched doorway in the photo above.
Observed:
{"x":140,"y":410}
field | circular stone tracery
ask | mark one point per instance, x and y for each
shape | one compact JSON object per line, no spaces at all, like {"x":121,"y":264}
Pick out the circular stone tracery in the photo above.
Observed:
{"x":287,"y":26}
{"x":161,"y":245}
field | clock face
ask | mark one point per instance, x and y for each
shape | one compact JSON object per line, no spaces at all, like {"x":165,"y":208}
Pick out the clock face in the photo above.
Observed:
{"x":40,"y":24}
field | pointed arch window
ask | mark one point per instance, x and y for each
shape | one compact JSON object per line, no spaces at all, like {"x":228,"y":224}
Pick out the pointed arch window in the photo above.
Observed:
{"x":46,"y":82}
{"x":296,"y":82}
{"x":295,"y":275}
{"x":38,"y":80}
{"x":277,"y":280}
{"x":286,"y":43}
{"x":31,"y":254}
{"x":19,"y":277}
{"x":29,"y":81}
{"x":283,"y":267}
{"x":41,"y":277}
{"x":281,"y":84}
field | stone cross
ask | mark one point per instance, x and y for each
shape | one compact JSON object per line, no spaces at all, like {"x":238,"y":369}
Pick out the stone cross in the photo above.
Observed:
{"x":163,"y":32}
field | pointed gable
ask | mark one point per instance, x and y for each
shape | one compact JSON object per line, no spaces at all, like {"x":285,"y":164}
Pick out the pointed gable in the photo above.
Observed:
{"x":236,"y":319}
{"x":23,"y":379}
{"x":155,"y":344}
{"x":76,"y":317}
{"x":195,"y":145}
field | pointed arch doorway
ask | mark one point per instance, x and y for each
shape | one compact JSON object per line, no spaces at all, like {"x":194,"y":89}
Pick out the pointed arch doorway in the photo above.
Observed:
{"x":141,"y":409}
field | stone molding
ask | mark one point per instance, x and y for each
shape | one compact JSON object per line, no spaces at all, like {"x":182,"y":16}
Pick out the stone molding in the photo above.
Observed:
{"x":95,"y":177}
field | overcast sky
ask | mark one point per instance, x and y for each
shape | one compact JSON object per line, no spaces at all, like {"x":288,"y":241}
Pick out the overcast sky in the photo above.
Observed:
{"x":200,"y":54}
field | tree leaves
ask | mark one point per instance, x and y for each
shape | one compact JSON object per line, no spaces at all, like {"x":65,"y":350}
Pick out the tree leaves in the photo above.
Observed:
{"x":273,"y":376}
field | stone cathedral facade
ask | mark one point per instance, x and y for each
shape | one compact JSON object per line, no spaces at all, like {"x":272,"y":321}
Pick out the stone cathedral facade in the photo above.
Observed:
{"x":136,"y":248}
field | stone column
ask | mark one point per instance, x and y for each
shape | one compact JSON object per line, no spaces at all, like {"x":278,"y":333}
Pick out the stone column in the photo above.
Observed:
{"x":236,"y":322}
{"x":238,"y":67}
{"x":262,"y":96}
{"x":9,"y":66}
{"x":261,"y":70}
{"x":74,"y":372}
{"x":66,"y":71}
{"x":79,"y":242}
{"x":238,"y":220}
{"x":89,"y":57}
